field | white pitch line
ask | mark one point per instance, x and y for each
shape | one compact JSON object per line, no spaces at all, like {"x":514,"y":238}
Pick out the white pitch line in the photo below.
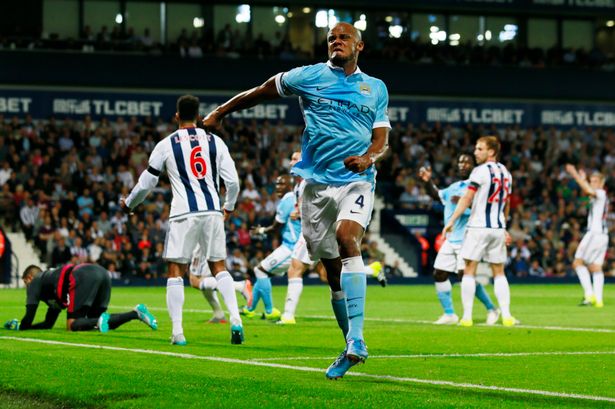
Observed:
{"x":423,"y":356}
{"x":409,"y":321}
{"x":309,"y":369}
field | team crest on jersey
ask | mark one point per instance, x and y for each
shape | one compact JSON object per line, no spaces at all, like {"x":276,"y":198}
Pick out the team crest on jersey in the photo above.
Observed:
{"x":365,"y":89}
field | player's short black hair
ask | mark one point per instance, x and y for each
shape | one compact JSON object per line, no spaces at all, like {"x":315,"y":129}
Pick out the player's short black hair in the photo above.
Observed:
{"x":468,"y":154}
{"x":187,"y":107}
{"x":32,"y":269}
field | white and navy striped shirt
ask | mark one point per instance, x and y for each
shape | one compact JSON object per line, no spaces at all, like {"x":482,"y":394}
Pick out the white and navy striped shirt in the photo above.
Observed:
{"x":598,"y":211}
{"x":493,"y":184}
{"x":195,"y":161}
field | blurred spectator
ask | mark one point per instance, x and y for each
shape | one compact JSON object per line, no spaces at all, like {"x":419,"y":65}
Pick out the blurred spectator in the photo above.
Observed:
{"x":65,"y":186}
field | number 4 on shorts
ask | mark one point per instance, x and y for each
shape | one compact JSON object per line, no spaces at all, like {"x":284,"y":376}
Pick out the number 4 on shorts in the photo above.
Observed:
{"x":359,"y":201}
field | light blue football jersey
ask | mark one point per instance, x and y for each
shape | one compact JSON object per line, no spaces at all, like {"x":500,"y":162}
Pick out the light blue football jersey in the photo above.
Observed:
{"x":292,"y":228}
{"x":340,"y":112}
{"x":450,"y":197}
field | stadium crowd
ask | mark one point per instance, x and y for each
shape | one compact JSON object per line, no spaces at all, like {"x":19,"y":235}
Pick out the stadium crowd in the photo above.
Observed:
{"x":548,"y":213}
{"x":231,"y":43}
{"x":60,"y":181}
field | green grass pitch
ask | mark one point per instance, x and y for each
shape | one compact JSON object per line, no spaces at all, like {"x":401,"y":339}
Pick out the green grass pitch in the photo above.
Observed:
{"x":562,"y":356}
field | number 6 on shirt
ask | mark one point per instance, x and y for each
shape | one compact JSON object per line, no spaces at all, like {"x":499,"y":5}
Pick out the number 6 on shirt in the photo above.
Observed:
{"x":196,"y":158}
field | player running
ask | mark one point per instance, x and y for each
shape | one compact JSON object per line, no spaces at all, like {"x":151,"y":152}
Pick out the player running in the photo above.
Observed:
{"x":195,"y":161}
{"x":346,"y":132}
{"x":449,"y":261}
{"x":486,"y":236}
{"x":593,"y":247}
{"x":278,"y":261}
{"x":83,"y":290}
{"x":300,"y":260}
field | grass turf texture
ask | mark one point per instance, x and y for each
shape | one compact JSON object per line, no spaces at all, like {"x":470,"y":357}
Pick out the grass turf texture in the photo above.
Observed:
{"x":51,"y":376}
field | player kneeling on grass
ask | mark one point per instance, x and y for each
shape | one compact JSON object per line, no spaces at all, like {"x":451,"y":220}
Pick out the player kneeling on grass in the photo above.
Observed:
{"x":83,"y":290}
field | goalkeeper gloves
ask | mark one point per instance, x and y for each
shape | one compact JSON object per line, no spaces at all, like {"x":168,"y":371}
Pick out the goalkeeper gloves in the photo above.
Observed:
{"x":12,"y":324}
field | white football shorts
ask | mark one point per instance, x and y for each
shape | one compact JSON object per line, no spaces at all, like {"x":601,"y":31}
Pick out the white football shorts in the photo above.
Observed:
{"x":323,"y":206}
{"x":484,"y":244}
{"x":593,"y":248}
{"x":278,"y":261}
{"x":449,"y":258}
{"x":300,"y":251}
{"x":206,"y":230}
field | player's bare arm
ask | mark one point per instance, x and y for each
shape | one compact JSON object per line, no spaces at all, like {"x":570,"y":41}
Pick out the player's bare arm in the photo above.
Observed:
{"x":581,"y":178}
{"x":430,"y":188}
{"x":246,"y":99}
{"x":464,"y":203}
{"x":258,"y":230}
{"x":379,"y":146}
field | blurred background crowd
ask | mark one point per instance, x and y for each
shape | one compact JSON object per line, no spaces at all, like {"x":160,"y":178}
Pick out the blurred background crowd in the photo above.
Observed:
{"x":230,"y":42}
{"x":60,"y":182}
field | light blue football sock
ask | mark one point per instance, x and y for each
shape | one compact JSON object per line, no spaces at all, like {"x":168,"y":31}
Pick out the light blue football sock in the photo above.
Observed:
{"x":354,"y":285}
{"x":341,"y":314}
{"x":266,"y":294}
{"x":482,"y":295}
{"x":446,"y":300}
{"x":256,"y":294}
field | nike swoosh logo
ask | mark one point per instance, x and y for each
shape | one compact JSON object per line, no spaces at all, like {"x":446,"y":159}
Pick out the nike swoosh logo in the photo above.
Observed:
{"x":321,"y":88}
{"x":353,"y":212}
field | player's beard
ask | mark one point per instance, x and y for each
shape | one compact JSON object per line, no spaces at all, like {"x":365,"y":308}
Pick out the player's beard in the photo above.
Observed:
{"x":339,"y":60}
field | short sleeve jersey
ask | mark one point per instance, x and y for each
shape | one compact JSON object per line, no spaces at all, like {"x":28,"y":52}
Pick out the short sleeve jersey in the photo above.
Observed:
{"x":340,"y":113}
{"x":450,"y":197}
{"x":292,"y":228}
{"x":598,"y":211}
{"x":493,"y":184}
{"x":194,"y":161}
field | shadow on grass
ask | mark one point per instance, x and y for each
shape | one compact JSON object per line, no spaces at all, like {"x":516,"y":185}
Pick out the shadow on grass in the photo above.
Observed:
{"x":13,"y":399}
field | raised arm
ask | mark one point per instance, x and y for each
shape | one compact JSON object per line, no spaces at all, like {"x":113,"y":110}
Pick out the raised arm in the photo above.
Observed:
{"x":581,"y":178}
{"x":247,"y":99}
{"x":430,"y":188}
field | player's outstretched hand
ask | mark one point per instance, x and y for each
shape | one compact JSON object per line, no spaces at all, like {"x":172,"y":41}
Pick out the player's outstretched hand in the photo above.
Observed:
{"x":425,"y":173}
{"x":570,"y":169}
{"x":125,"y":207}
{"x":12,"y":324}
{"x":357,"y":164}
{"x":257,"y":231}
{"x":212,"y":122}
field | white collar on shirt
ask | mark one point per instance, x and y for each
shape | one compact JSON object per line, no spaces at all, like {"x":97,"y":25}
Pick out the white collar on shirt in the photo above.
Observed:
{"x":333,"y":67}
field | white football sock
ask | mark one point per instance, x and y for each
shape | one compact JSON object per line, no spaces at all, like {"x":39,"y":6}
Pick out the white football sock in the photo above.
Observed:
{"x":444,"y":286}
{"x":293,"y":293}
{"x":175,"y":303}
{"x":586,"y":281}
{"x":212,"y":299}
{"x":227,"y":290}
{"x":468,"y":289}
{"x":598,"y":285}
{"x":239,"y":285}
{"x":208,"y":283}
{"x":502,"y":293}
